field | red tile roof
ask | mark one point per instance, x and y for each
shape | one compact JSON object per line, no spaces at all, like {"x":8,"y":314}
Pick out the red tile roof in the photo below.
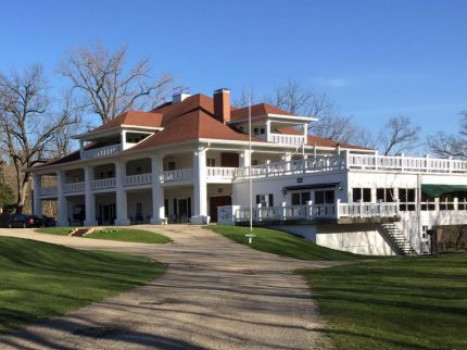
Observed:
{"x":136,"y":118}
{"x":256,"y":110}
{"x":192,"y":119}
{"x":197,"y":124}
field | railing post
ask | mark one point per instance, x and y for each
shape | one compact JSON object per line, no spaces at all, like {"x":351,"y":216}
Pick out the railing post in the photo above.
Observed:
{"x":338,"y":208}
{"x":437,"y":205}
{"x":380,"y":208}
{"x":376,"y":160}
{"x":427,"y":160}
{"x":267,"y":167}
{"x":283,"y":211}
{"x":402,"y":162}
{"x":259,"y":214}
{"x":450,"y":164}
{"x":456,"y":204}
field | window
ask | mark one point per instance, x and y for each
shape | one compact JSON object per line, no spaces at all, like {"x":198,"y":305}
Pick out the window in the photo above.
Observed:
{"x":254,"y":162}
{"x":385,"y":194}
{"x":266,"y":200}
{"x":255,"y":131}
{"x":361,"y":195}
{"x":446,"y":201}
{"x":210,"y":161}
{"x":324,"y":197}
{"x":171,"y":165}
{"x":407,"y":199}
{"x":300,"y":198}
{"x":428,"y":202}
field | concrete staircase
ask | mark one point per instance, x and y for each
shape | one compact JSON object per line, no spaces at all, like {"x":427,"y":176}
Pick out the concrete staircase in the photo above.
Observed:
{"x":80,"y":232}
{"x":397,"y":239}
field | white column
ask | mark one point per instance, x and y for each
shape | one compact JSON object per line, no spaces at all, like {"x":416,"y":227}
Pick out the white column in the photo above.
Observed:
{"x":199,"y":188}
{"x":37,"y":197}
{"x":122,"y":205}
{"x":61,"y":200}
{"x":81,"y":149}
{"x":287,"y":158}
{"x":245,"y":157}
{"x":123,"y":135}
{"x":268,"y":131}
{"x":89,"y":200}
{"x":305,"y":133}
{"x":158,"y":210}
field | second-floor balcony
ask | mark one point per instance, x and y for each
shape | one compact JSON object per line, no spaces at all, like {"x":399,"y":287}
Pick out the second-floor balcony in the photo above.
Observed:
{"x":178,"y":175}
{"x":103,"y":183}
{"x":73,"y":187}
{"x":101,"y":152}
{"x":137,"y":180}
{"x":283,"y":139}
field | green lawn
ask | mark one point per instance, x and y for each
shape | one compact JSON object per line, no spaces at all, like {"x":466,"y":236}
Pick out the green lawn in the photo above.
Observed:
{"x":410,"y":303}
{"x":114,"y":234}
{"x":129,"y":235}
{"x":40,"y":280}
{"x":281,"y":243}
{"x":55,"y":230}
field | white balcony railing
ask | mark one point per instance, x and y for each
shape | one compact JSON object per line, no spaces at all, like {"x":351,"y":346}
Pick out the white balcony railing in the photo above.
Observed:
{"x":309,"y":165}
{"x":137,"y":180}
{"x":103,"y":183}
{"x":48,"y":191}
{"x":406,"y":164}
{"x":319,"y":211}
{"x":176,"y":175}
{"x":221,"y":173}
{"x":73,"y":187}
{"x":102,"y":152}
{"x":382,"y":209}
{"x":293,"y":140}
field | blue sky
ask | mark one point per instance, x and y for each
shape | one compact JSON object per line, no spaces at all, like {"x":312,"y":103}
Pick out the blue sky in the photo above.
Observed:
{"x":374,"y":58}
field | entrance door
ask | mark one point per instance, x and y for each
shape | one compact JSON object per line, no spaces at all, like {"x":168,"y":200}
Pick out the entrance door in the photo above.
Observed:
{"x":215,"y":202}
{"x":183,"y":210}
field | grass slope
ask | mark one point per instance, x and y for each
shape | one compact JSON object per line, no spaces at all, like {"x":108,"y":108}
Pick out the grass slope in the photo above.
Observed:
{"x":40,"y":280}
{"x":129,"y":235}
{"x":63,"y":231}
{"x":113,"y":234}
{"x":410,"y":303}
{"x":281,"y":243}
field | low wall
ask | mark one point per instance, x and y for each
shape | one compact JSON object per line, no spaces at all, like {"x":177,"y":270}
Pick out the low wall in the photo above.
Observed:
{"x":358,"y":239}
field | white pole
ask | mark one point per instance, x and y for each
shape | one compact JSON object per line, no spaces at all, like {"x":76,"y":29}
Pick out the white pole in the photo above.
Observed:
{"x":251,"y":182}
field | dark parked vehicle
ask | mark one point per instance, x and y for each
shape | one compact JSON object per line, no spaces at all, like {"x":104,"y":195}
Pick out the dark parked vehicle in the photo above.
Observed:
{"x":23,"y":220}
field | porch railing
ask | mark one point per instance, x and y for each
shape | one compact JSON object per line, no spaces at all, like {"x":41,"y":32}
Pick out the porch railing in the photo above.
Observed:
{"x":176,"y":175}
{"x":319,"y":211}
{"x":103,"y":183}
{"x":102,"y":152}
{"x":221,"y":173}
{"x":73,"y":187}
{"x":293,"y":140}
{"x":48,"y":191}
{"x":137,"y":180}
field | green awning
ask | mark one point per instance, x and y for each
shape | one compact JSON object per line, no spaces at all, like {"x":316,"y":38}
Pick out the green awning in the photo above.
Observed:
{"x":437,"y":190}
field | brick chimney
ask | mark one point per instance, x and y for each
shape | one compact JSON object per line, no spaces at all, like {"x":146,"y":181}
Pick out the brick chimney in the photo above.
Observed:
{"x":222,"y":105}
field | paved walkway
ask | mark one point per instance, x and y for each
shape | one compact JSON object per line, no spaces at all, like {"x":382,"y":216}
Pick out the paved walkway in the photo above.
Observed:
{"x":216,"y":294}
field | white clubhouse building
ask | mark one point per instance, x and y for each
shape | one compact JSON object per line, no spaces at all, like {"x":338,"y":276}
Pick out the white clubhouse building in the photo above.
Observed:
{"x":189,"y":159}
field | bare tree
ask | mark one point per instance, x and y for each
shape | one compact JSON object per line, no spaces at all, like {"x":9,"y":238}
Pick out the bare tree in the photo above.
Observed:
{"x":68,"y":109}
{"x":26,"y":124}
{"x":451,"y":145}
{"x":398,"y":135}
{"x":108,"y":86}
{"x":296,"y":99}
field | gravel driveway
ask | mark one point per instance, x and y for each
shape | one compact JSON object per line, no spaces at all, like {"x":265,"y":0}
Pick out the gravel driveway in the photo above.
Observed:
{"x":216,"y":294}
